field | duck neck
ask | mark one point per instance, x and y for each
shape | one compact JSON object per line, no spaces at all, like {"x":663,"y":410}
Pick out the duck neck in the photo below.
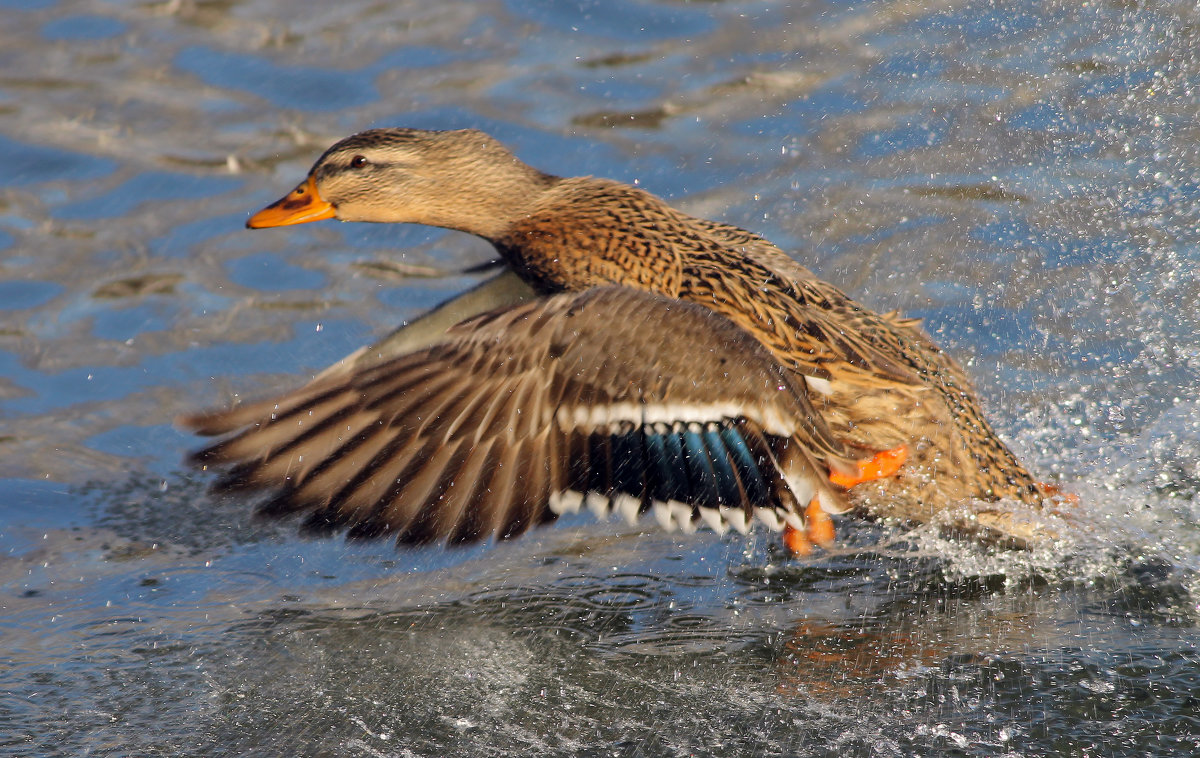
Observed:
{"x":586,"y":232}
{"x":490,"y":215}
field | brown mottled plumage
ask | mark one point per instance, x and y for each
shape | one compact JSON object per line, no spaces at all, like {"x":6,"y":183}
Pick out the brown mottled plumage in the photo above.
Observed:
{"x":667,"y":363}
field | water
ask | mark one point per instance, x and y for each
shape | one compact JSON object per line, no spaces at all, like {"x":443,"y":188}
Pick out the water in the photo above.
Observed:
{"x":1022,"y":176}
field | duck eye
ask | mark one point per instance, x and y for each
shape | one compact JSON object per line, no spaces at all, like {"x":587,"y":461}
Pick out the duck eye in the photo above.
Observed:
{"x":358,"y":161}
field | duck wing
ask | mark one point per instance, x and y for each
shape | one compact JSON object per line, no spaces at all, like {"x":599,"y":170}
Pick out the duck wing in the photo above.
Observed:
{"x":612,"y":398}
{"x":502,"y":290}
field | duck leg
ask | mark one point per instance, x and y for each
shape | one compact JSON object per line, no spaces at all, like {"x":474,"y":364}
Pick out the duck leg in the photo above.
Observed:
{"x":881,"y":466}
{"x":818,"y":526}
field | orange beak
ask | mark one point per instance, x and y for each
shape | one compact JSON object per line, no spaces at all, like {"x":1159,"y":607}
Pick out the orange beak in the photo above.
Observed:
{"x":300,"y":206}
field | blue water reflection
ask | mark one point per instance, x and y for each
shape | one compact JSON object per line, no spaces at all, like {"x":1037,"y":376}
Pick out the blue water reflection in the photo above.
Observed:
{"x":28,"y":5}
{"x":298,"y":87}
{"x":83,"y":28}
{"x":144,"y":444}
{"x":268,"y":272}
{"x":146,"y":187}
{"x":617,"y":18}
{"x":26,"y":163}
{"x":121,"y":324}
{"x":181,"y":239}
{"x":19,"y":295}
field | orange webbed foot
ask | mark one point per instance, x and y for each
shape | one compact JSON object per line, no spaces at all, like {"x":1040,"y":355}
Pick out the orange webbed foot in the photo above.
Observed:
{"x":881,"y":466}
{"x":796,"y":541}
{"x":818,"y":529}
{"x":1066,"y":499}
{"x":818,"y":526}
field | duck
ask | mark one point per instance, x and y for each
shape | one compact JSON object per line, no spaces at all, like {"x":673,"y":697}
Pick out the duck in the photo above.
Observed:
{"x":631,"y":359}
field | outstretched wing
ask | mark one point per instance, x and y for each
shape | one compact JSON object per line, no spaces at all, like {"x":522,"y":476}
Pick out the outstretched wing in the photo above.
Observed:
{"x":612,"y":398}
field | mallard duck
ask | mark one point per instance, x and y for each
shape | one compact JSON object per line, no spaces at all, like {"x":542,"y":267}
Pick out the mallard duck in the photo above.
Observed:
{"x":647,"y":361}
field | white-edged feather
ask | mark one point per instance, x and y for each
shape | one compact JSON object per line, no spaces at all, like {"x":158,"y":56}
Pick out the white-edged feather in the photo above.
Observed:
{"x":683,"y":517}
{"x":567,"y":501}
{"x":597,"y":504}
{"x":770,"y":517}
{"x":736,"y":518}
{"x":662,"y":514}
{"x":792,"y":519}
{"x":712,"y":517}
{"x":628,"y":506}
{"x":593,"y":417}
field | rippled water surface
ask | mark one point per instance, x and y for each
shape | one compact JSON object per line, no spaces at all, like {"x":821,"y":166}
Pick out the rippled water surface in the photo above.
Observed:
{"x":1023,"y":176}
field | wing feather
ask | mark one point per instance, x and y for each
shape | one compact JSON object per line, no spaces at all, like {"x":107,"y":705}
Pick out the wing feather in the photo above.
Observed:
{"x":520,"y":414}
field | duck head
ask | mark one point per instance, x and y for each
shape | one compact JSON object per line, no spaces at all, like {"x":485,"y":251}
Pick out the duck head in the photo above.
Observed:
{"x":462,"y":180}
